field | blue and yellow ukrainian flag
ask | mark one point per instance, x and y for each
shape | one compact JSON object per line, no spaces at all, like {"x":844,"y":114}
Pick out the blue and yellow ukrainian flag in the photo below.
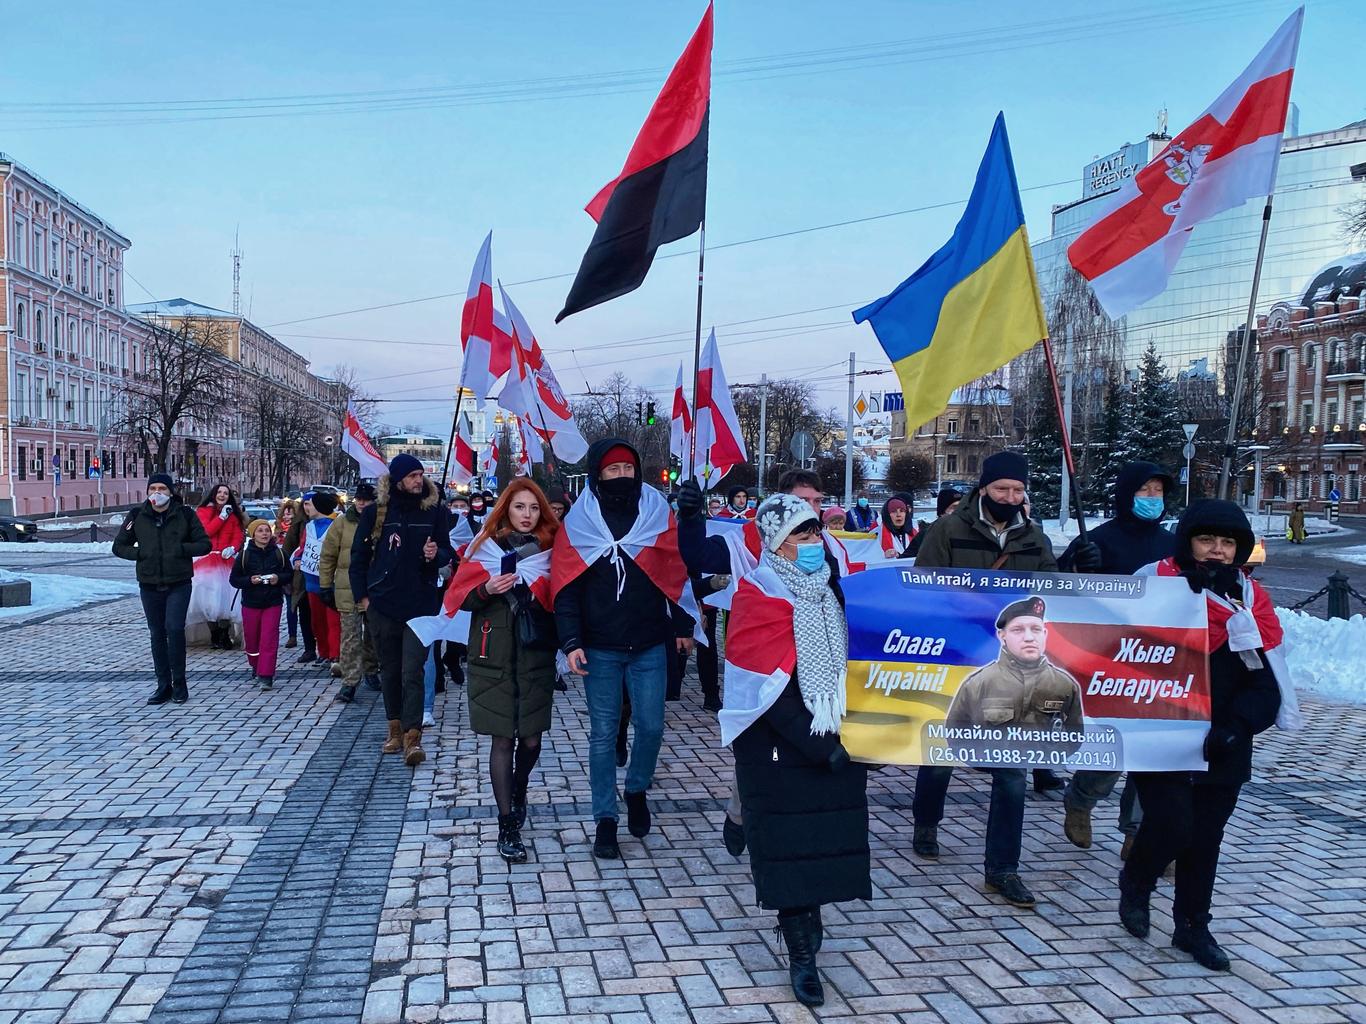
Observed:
{"x":974,"y":305}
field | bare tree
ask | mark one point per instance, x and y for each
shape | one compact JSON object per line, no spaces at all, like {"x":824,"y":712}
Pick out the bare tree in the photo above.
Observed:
{"x":910,"y":472}
{"x":189,"y":379}
{"x":618,"y":408}
{"x":1354,"y":220}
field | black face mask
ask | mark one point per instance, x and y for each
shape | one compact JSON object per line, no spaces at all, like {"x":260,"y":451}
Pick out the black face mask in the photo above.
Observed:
{"x":1001,"y":511}
{"x":620,"y":489}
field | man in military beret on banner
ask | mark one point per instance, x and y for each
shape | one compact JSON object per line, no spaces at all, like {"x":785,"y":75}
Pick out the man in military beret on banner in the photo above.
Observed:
{"x":1021,"y":687}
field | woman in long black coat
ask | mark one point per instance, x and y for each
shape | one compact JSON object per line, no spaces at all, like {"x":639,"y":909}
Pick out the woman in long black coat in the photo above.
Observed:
{"x":805,"y":803}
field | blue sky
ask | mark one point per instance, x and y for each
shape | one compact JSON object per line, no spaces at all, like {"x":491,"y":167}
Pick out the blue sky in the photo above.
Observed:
{"x":884,"y":106}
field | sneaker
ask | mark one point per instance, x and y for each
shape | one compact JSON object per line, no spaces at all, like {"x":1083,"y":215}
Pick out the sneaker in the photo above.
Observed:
{"x":428,"y":720}
{"x":307,"y":658}
{"x":1199,"y":943}
{"x":346,"y":695}
{"x":1011,"y":889}
{"x":292,"y":642}
{"x":605,"y":841}
{"x":733,"y":835}
{"x":267,"y":683}
{"x":925,"y":841}
{"x":1076,"y":825}
{"x":637,"y":815}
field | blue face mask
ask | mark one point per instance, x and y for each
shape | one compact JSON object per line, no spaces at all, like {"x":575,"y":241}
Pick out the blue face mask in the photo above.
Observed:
{"x":863,"y":503}
{"x":810,"y":557}
{"x":1150,"y":509}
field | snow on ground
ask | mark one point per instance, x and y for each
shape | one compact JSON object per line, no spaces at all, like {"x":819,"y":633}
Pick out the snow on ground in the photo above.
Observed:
{"x":1327,"y":656}
{"x":44,"y":546}
{"x":53,"y":593}
{"x":1357,"y":555}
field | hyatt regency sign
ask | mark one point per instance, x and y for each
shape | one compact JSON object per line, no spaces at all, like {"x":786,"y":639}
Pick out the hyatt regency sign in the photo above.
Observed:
{"x":1110,"y":172}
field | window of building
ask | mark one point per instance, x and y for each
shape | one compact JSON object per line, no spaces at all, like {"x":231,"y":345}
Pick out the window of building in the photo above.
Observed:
{"x":1302,"y":488}
{"x":1276,"y":418}
{"x":20,"y":395}
{"x":86,"y":406}
{"x":972,"y":463}
{"x":38,"y":326}
{"x":39,"y":247}
{"x":57,"y":333}
{"x":41,"y":461}
{"x":40,"y":397}
{"x":1355,"y":422}
{"x":20,"y":242}
{"x":20,"y":320}
{"x":974,"y":427}
{"x":56,"y":267}
{"x":953,"y":425}
{"x":1278,"y":487}
{"x":23,"y":462}
{"x":1307,"y":415}
{"x":951,"y":464}
{"x":1330,"y":419}
{"x":88,"y":350}
{"x":1353,"y":485}
{"x":1336,"y":353}
{"x":1310,"y":353}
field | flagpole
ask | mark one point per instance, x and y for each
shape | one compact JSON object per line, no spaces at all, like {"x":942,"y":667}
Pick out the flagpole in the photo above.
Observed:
{"x":450,"y":445}
{"x":697,"y":347}
{"x":1063,"y":432}
{"x":1230,"y":436}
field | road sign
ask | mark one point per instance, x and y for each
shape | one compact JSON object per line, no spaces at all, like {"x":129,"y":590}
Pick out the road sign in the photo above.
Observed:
{"x":803,"y":446}
{"x":860,"y":406}
{"x":1188,"y":452}
{"x":1190,"y":429}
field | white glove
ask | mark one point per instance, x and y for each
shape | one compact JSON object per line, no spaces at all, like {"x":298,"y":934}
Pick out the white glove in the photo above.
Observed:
{"x":224,"y":512}
{"x":228,"y":552}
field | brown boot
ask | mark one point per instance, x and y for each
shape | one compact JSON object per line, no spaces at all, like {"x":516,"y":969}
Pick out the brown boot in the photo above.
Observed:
{"x":395,"y":740}
{"x":413,"y":754}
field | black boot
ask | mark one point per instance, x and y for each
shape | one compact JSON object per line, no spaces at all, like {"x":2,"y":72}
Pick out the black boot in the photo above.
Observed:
{"x":180,"y":693}
{"x":1133,"y":908}
{"x":510,"y":846}
{"x":517,"y":805}
{"x":215,"y":637}
{"x":819,"y":926}
{"x":925,"y":841}
{"x":605,"y":842}
{"x":798,"y":933}
{"x":1196,"y":940}
{"x":637,"y":815}
{"x":711,"y":702}
{"x":161,"y":695}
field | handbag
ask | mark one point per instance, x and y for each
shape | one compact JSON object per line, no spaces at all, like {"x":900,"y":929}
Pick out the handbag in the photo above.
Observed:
{"x":535,"y":626}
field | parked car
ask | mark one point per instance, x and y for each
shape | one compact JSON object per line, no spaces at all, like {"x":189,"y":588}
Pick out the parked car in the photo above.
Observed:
{"x":12,"y":528}
{"x":259,"y":510}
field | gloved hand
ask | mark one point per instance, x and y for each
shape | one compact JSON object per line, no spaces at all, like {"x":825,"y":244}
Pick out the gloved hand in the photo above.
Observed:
{"x":690,"y":500}
{"x":224,"y":512}
{"x":1088,"y":557}
{"x":329,"y":596}
{"x":1220,"y":743}
{"x":228,"y":552}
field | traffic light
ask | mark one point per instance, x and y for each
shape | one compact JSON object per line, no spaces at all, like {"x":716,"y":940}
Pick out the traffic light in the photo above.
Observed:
{"x":673,"y":474}
{"x":664,"y":476}
{"x":639,"y":416}
{"x":650,"y":414}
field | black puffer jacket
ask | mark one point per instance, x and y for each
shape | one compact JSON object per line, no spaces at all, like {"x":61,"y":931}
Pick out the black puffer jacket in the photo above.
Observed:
{"x":806,"y":808}
{"x":1126,"y":542}
{"x":393,"y":573}
{"x":267,"y":561}
{"x":589,"y":612}
{"x":1243,"y":701}
{"x":164,"y":544}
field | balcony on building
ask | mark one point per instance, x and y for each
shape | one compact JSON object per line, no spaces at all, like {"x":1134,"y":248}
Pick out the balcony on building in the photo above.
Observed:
{"x":1344,"y":437}
{"x":1344,"y":370}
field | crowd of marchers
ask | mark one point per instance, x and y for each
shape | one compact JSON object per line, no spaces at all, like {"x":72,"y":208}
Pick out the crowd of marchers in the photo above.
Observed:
{"x":609,"y":591}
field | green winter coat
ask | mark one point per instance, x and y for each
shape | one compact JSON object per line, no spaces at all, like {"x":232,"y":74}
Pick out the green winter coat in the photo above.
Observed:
{"x":510,"y":687}
{"x":164,"y":544}
{"x":334,"y":565}
{"x":963,"y":541}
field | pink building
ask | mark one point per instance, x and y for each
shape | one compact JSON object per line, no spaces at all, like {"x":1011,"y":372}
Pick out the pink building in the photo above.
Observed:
{"x":67,"y":346}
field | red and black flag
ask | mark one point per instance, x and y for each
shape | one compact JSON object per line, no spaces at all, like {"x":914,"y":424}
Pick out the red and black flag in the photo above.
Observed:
{"x":661,"y":193}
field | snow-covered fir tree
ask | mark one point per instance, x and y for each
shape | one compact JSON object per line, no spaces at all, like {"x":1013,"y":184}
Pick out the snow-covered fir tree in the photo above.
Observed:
{"x":1152,"y":414}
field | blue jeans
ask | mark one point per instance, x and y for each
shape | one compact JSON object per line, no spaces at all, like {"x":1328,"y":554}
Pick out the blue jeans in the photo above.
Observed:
{"x":165,"y":609}
{"x":429,"y":682}
{"x":1005,"y":816}
{"x":645,"y":675}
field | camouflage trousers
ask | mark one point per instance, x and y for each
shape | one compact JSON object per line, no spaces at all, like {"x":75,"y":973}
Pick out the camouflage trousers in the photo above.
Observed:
{"x":357,"y":655}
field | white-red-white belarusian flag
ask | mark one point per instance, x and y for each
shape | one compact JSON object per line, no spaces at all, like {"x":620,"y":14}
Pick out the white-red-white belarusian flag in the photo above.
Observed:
{"x":485,"y":342}
{"x":464,"y":459}
{"x":651,"y":542}
{"x":533,"y":393}
{"x":479,"y":563}
{"x":680,"y":423}
{"x":719,"y":445}
{"x":358,"y":446}
{"x":488,"y":459}
{"x":761,"y":651}
{"x":1228,"y":156}
{"x":530,"y":451}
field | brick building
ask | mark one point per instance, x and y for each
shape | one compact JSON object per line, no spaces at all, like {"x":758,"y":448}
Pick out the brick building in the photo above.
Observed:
{"x":977,"y":422}
{"x":1311,"y":356}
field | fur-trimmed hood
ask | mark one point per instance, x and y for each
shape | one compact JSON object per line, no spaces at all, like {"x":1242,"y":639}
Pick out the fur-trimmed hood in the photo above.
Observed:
{"x":430,"y":496}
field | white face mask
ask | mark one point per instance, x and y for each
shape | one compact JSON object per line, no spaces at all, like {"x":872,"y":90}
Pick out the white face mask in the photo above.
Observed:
{"x":159,"y":500}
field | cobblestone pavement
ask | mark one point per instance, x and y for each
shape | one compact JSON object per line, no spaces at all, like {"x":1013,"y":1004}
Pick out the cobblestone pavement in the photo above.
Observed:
{"x":250,"y":857}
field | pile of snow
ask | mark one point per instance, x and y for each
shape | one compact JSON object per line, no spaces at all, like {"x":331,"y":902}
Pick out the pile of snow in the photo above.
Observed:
{"x":45,"y":546}
{"x":1325,"y":655}
{"x":9,"y":577}
{"x":52,"y":593}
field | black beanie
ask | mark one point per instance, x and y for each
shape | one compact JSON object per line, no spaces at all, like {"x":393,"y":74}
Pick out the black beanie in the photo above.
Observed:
{"x":364,"y":491}
{"x":162,"y":478}
{"x":325,"y":502}
{"x":1004,"y":466}
{"x":946,"y":498}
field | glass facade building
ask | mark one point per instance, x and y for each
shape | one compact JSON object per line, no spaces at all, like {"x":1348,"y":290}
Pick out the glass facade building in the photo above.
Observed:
{"x":1208,"y":292}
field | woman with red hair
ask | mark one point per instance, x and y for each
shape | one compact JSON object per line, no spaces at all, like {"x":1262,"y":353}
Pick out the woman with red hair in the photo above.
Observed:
{"x":504,"y":583}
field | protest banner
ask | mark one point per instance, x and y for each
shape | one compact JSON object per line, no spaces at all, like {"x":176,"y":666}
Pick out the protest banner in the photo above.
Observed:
{"x":1026,"y":670}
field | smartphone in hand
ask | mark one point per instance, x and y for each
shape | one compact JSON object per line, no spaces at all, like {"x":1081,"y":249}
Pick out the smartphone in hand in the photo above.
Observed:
{"x":509,"y":563}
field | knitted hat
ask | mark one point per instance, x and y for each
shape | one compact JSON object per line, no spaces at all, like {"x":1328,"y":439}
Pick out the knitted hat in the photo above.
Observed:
{"x":617,"y":453}
{"x":833,"y":512}
{"x":251,"y":527}
{"x":779,"y":516}
{"x":401,"y":465}
{"x":365,"y":492}
{"x":161,"y":478}
{"x":946,"y":498}
{"x":1004,"y":466}
{"x":325,"y":501}
{"x":895,"y":505}
{"x":1032,"y":606}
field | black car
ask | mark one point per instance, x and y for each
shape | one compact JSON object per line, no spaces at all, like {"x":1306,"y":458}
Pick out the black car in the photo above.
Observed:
{"x":13,"y":528}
